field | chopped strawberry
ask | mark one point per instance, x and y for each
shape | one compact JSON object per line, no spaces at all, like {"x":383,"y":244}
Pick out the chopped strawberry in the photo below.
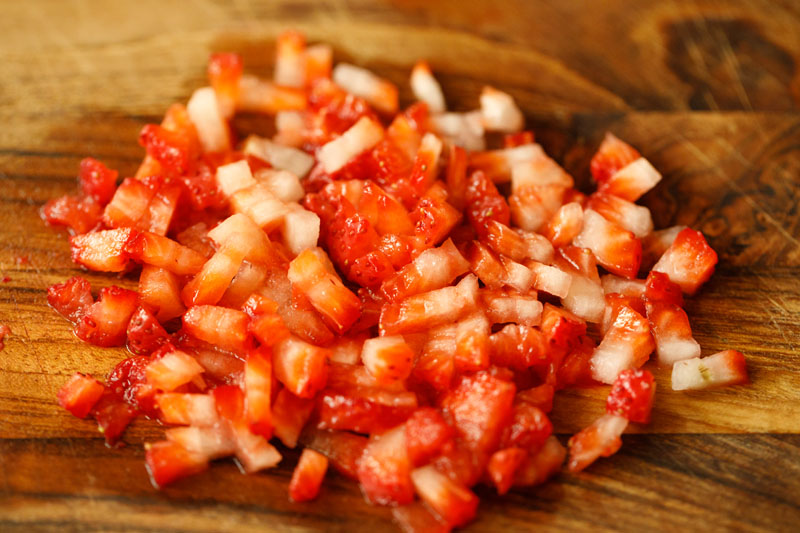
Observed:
{"x":426,"y":433}
{"x":102,"y":250}
{"x":503,"y":465}
{"x":144,"y":332}
{"x":159,"y":290}
{"x":671,"y":332}
{"x":312,"y":273}
{"x":518,"y":347}
{"x":79,"y":214}
{"x":223,"y":327}
{"x":540,"y":466}
{"x":432,"y":269}
{"x":616,"y":302}
{"x":307,"y":476}
{"x":173,"y":151}
{"x":632,"y":396}
{"x":169,"y":461}
{"x":612,"y":156}
{"x":162,"y":252}
{"x":417,"y":518}
{"x":112,"y":415}
{"x":174,"y":369}
{"x":455,"y":503}
{"x":659,"y":288}
{"x":258,"y":390}
{"x":71,"y":298}
{"x":486,"y":265}
{"x":433,"y":216}
{"x":520,"y":138}
{"x":384,"y":469}
{"x":528,"y":429}
{"x":600,"y":439}
{"x":627,"y":344}
{"x":129,"y":203}
{"x":564,"y":225}
{"x":128,"y":381}
{"x":721,"y":369}
{"x":632,"y":181}
{"x":689,"y":261}
{"x":224,"y":71}
{"x":541,"y":397}
{"x":97,"y":180}
{"x":430,"y":309}
{"x":301,"y":367}
{"x":289,"y":416}
{"x":80,"y":394}
{"x":625,"y":214}
{"x":362,"y":413}
{"x":576,"y":368}
{"x":616,"y":249}
{"x":484,"y":203}
{"x":211,"y":442}
{"x":104,"y":323}
{"x":187,"y":409}
{"x":388,"y":358}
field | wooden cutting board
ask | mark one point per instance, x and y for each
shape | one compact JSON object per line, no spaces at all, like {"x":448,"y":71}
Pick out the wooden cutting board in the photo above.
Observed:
{"x":709,"y":91}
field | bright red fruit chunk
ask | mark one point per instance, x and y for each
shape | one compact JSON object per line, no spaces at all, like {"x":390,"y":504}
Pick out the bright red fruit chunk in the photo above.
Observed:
{"x":97,"y":180}
{"x":307,"y":476}
{"x":632,"y":395}
{"x":79,"y":394}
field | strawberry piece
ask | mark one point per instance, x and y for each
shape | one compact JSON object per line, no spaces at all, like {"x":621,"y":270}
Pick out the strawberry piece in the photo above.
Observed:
{"x":205,"y":113}
{"x":721,"y":369}
{"x":312,"y":273}
{"x":301,"y":367}
{"x":433,"y":216}
{"x":102,"y":250}
{"x":360,"y":137}
{"x":169,"y":461}
{"x":80,"y":394}
{"x":307,"y":476}
{"x":452,"y":501}
{"x":480,"y":406}
{"x":655,"y":244}
{"x":128,"y":381}
{"x":424,"y":311}
{"x":104,"y":322}
{"x":79,"y":214}
{"x":159,"y":290}
{"x":211,"y":442}
{"x":224,"y":71}
{"x":564,"y":225}
{"x":671,"y":332}
{"x":659,"y":288}
{"x":517,"y":244}
{"x":630,"y":288}
{"x":540,"y":397}
{"x":600,"y":439}
{"x":576,"y":368}
{"x":689,"y":261}
{"x":112,"y":415}
{"x":355,"y":411}
{"x":303,"y":321}
{"x":388,"y":358}
{"x":519,"y":138}
{"x":223,"y":327}
{"x":97,"y":180}
{"x":632,"y":181}
{"x":161,"y":209}
{"x":380,"y":93}
{"x":144,"y":332}
{"x":129,"y":203}
{"x":625,"y":214}
{"x":456,"y":176}
{"x":258,"y":390}
{"x":528,"y":429}
{"x":616,"y":302}
{"x":162,"y":252}
{"x":540,"y":466}
{"x":612,"y":156}
{"x":173,"y":151}
{"x":71,"y":298}
{"x":343,"y":449}
{"x":426,"y":433}
{"x":532,"y":206}
{"x":187,"y":409}
{"x":632,"y":396}
{"x":486,"y":265}
{"x":627,"y":344}
{"x":433,"y":269}
{"x":499,"y":112}
{"x":484,"y":203}
{"x":505,"y":307}
{"x":289,"y":416}
{"x":518,"y":347}
{"x":616,"y":249}
{"x":384,"y":469}
{"x":174,"y":369}
{"x":503,"y":466}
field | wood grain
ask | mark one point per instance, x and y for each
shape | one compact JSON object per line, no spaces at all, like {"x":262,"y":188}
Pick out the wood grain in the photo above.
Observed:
{"x":708,"y":90}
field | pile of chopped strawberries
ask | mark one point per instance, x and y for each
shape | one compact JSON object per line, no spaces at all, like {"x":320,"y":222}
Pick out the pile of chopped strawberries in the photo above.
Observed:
{"x":376,"y":286}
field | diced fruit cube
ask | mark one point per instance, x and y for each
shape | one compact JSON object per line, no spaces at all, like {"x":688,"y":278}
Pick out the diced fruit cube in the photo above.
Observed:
{"x":144,"y":332}
{"x":307,"y":476}
{"x":71,"y":298}
{"x":627,"y":344}
{"x":612,"y":155}
{"x":600,"y":439}
{"x":722,"y":368}
{"x":689,"y":261}
{"x":80,"y":394}
{"x":387,"y":358}
{"x":187,"y":409}
{"x":632,"y":396}
{"x":174,"y":369}
{"x":257,"y":392}
{"x":453,"y":502}
{"x":102,"y":250}
{"x":289,"y":416}
{"x":672,"y":333}
{"x":615,"y":248}
{"x":220,"y":326}
{"x":105,"y":322}
{"x":632,"y":181}
{"x":301,"y":367}
{"x":426,"y":433}
{"x":384,"y":469}
{"x":169,"y":461}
